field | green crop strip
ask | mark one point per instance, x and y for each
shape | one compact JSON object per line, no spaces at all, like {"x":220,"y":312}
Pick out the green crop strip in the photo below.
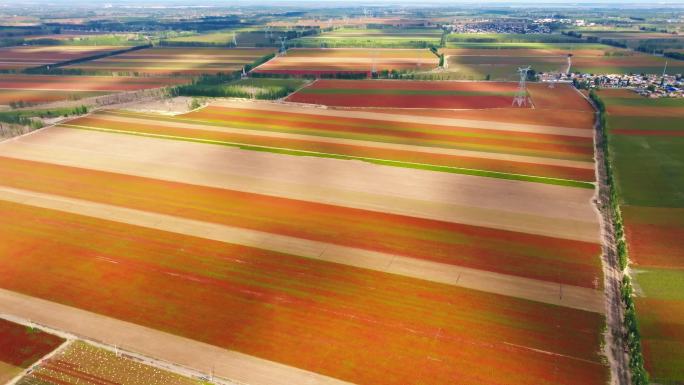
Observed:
{"x":386,"y":162}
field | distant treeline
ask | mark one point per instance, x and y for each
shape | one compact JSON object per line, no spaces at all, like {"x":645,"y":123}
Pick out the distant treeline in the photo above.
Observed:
{"x":203,"y":24}
{"x":675,"y":55}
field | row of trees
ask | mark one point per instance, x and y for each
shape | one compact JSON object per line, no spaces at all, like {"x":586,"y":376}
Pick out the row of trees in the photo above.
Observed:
{"x":28,"y":118}
{"x":236,"y":91}
{"x":630,"y":322}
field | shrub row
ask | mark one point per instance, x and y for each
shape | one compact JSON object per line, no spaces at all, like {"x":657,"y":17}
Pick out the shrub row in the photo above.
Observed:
{"x":630,"y":322}
{"x":25,"y":118}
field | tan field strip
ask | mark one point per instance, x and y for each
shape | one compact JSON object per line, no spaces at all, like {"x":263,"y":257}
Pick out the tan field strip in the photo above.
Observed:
{"x":355,"y":142}
{"x":519,"y":287}
{"x":534,"y":208}
{"x":315,"y":60}
{"x":464,"y":123}
{"x":231,"y":365}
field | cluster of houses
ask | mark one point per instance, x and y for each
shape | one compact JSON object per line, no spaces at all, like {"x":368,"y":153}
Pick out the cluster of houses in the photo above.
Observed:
{"x":648,"y":85}
{"x":499,"y":26}
{"x":575,"y":22}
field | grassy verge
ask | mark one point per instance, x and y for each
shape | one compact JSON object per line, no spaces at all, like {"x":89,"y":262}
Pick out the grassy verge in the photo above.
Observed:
{"x":630,"y":322}
{"x":386,"y":162}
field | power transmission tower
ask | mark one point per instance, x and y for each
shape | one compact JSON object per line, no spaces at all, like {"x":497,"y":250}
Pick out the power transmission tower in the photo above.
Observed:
{"x":520,"y":99}
{"x":234,"y":40}
{"x":567,"y":70}
{"x":283,"y":49}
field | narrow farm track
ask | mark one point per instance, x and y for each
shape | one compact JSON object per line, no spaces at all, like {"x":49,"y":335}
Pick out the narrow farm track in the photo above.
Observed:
{"x":540,"y":209}
{"x":242,"y":368}
{"x":518,"y":287}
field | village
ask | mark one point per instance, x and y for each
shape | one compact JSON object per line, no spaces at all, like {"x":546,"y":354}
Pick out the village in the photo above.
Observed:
{"x":647,"y":85}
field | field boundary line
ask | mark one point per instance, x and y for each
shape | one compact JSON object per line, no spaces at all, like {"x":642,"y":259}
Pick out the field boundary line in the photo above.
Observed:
{"x":576,"y":297}
{"x":386,"y":162}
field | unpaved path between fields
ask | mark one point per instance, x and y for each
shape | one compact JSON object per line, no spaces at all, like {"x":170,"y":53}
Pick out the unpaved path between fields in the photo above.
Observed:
{"x":534,"y":208}
{"x":228,"y":364}
{"x":482,"y":280}
{"x":615,"y":345}
{"x":465,"y":123}
{"x":353,"y":142}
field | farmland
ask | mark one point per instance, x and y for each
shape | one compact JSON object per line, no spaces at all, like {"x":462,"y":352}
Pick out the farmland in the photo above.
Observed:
{"x":300,"y":61}
{"x":502,"y":64}
{"x":82,"y":363}
{"x":204,"y":274}
{"x":635,"y":39}
{"x":341,"y":194}
{"x":648,"y":167}
{"x":47,"y":88}
{"x":564,"y":154}
{"x":87,"y":39}
{"x":432,"y":95}
{"x":175,"y":61}
{"x":373,"y":38}
{"x":13,"y":59}
{"x":243,"y":38}
{"x":338,"y":22}
{"x":21,"y":347}
{"x":244,"y":185}
{"x":406,"y":94}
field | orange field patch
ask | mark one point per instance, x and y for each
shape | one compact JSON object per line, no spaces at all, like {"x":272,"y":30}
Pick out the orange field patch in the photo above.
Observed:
{"x":406,"y":94}
{"x":176,"y":60}
{"x":300,"y":312}
{"x":655,"y":235}
{"x":561,"y":97}
{"x":525,"y":255}
{"x":306,"y":61}
{"x":546,"y":117}
{"x":85,"y":83}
